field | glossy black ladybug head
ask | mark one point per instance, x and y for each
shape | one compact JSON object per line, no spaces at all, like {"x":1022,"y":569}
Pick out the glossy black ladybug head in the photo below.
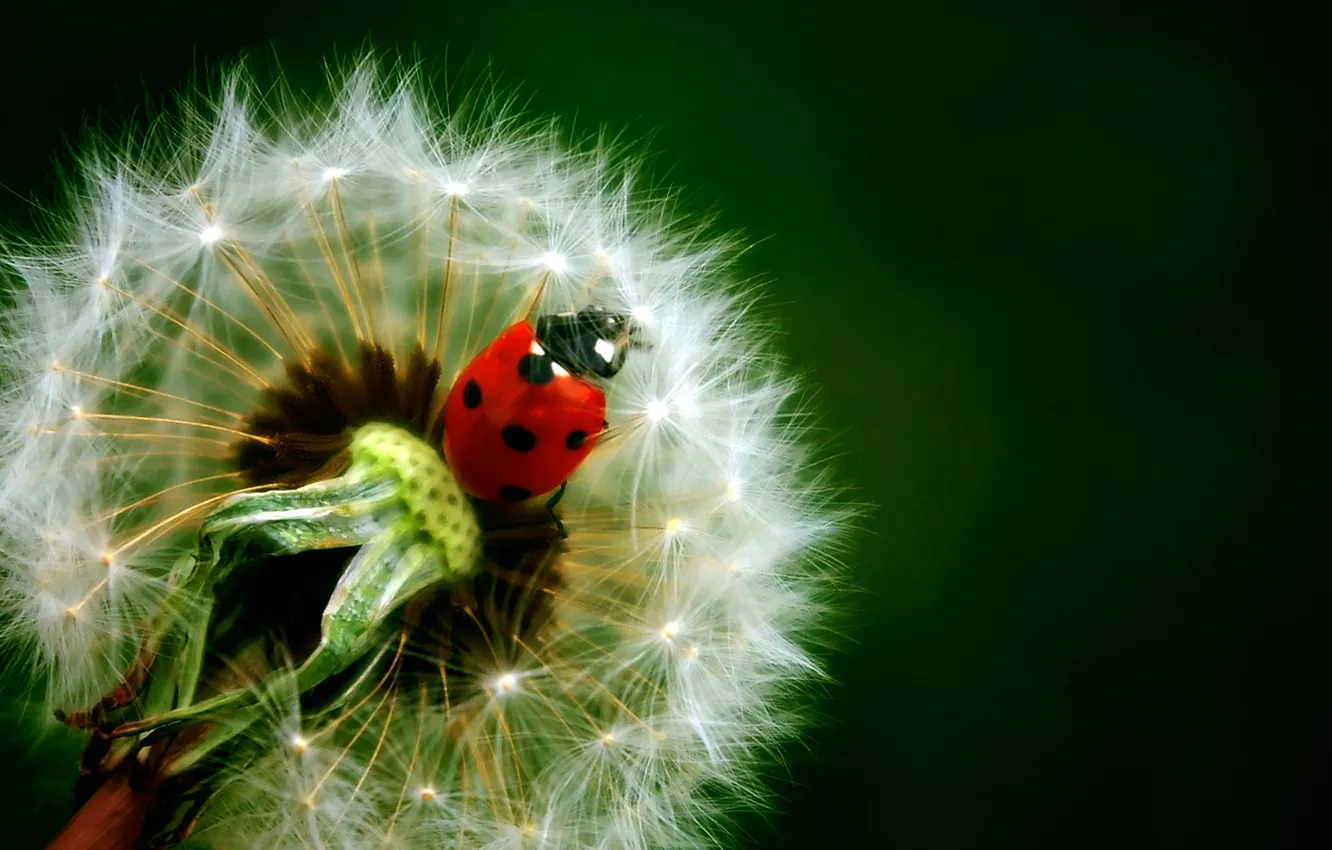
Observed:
{"x":592,"y":341}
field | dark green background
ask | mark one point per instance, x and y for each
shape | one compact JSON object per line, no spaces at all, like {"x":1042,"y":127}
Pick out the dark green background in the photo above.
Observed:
{"x":1050,"y":266}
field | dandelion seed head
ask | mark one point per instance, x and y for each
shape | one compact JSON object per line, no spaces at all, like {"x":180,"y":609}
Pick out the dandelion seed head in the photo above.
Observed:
{"x":619,"y":689}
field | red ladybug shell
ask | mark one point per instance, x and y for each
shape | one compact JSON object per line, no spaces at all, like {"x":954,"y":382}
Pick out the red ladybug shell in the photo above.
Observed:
{"x":516,"y":423}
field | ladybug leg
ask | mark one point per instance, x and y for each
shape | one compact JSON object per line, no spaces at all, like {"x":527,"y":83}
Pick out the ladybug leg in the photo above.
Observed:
{"x":550,"y":509}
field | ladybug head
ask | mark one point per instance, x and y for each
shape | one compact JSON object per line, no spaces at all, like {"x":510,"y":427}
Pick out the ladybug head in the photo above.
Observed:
{"x":590,"y":342}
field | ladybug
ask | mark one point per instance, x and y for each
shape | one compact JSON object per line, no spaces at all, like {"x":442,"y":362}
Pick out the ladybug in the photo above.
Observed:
{"x":526,"y":411}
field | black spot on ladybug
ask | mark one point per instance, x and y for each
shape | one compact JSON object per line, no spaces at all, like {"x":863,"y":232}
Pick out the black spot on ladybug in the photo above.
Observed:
{"x":575,"y":440}
{"x":511,"y":493}
{"x":472,"y":395}
{"x":604,"y":425}
{"x":518,"y":438}
{"x":535,"y":369}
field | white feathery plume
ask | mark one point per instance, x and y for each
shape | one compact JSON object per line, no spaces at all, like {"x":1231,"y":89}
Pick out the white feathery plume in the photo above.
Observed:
{"x":198,"y":268}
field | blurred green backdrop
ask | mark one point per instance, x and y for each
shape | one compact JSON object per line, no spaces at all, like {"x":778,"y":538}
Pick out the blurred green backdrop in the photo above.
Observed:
{"x":1046,"y":265}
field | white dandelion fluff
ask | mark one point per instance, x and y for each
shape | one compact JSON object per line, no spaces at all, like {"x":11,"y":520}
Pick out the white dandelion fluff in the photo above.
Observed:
{"x":217,"y":318}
